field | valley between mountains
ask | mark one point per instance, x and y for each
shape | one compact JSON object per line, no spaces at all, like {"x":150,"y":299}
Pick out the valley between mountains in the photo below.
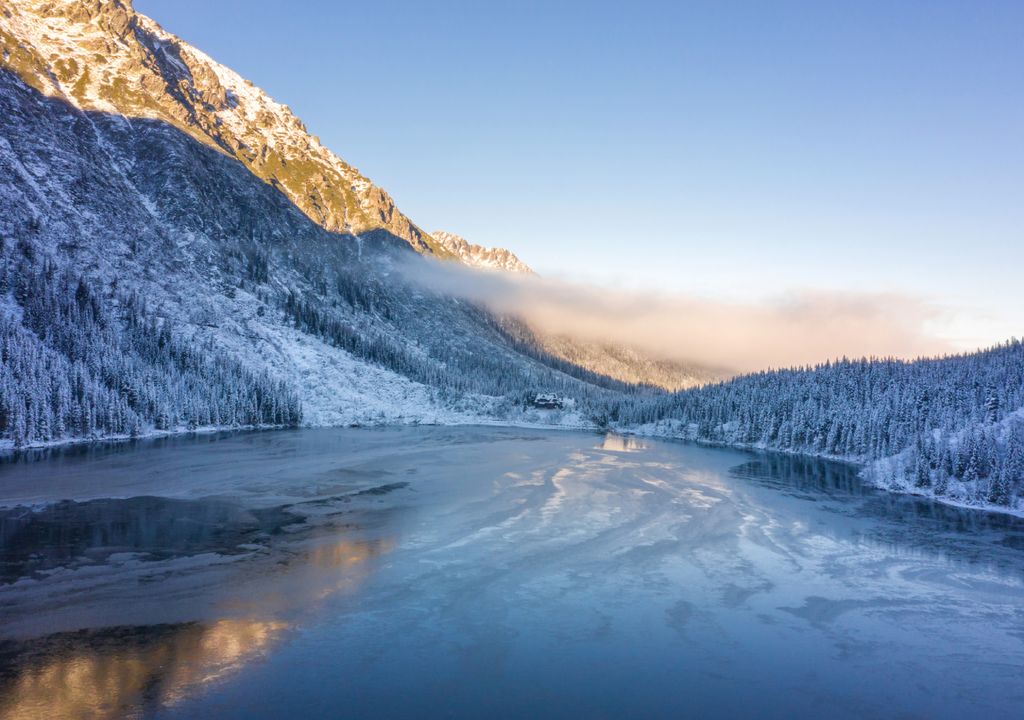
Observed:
{"x":178,"y":252}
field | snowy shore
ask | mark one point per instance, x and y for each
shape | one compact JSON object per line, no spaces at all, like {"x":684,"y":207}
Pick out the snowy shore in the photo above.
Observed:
{"x":888,"y":474}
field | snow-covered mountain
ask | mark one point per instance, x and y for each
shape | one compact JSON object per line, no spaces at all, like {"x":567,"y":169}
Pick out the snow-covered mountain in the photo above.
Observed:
{"x":102,"y":56}
{"x":155,"y":125}
{"x":478,"y":256}
{"x":185,"y":201}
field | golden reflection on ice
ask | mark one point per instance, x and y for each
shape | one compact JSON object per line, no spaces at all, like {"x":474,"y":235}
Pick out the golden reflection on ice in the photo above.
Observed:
{"x":622,"y":443}
{"x":124,"y":671}
{"x":347,"y":553}
{"x":119,"y":671}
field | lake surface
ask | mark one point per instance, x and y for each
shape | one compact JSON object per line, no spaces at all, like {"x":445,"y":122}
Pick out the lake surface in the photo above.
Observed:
{"x":490,"y":572}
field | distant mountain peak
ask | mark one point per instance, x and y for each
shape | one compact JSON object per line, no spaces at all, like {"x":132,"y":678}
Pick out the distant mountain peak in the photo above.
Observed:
{"x":478,"y":256}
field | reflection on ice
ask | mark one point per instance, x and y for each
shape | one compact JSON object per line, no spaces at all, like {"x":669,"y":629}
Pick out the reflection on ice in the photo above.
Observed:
{"x":622,"y":443}
{"x":72,"y":534}
{"x":234,"y":574}
{"x":108,"y":674}
{"x":903,"y":525}
{"x":527,"y":574}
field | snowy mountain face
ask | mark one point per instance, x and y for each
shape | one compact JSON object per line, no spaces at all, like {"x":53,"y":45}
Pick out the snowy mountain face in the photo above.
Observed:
{"x":132,"y":80}
{"x":183,"y":198}
{"x":478,"y":256}
{"x":100,"y":55}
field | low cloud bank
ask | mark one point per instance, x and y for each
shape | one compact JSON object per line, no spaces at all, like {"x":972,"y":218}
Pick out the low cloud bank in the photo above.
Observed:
{"x":796,"y":329}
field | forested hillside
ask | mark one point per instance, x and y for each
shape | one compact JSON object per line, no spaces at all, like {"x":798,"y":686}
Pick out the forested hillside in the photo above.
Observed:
{"x":952,"y":426}
{"x":81,"y":365}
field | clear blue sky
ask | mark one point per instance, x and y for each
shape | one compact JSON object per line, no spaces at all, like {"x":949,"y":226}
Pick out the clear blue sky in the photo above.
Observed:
{"x":731,"y":149}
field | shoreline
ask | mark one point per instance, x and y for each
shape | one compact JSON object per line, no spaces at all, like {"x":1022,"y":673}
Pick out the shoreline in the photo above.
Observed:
{"x":9,"y":452}
{"x":7,"y":449}
{"x":863,"y":466}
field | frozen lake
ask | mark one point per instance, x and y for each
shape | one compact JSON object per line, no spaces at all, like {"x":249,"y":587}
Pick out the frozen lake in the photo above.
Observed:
{"x":493,"y":572}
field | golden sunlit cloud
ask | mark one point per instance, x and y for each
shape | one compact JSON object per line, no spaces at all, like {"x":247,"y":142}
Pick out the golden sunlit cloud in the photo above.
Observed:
{"x":797,"y":329}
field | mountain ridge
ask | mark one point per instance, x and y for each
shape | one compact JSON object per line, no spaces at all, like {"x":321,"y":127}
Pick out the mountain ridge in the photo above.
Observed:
{"x":103,"y":56}
{"x":479,"y":256}
{"x":226,"y":263}
{"x":110,"y":58}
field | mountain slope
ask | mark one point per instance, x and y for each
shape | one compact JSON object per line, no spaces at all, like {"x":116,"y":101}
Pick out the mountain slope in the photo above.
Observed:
{"x":142,"y":208}
{"x":107,"y":60}
{"x":142,"y":199}
{"x":103,"y":56}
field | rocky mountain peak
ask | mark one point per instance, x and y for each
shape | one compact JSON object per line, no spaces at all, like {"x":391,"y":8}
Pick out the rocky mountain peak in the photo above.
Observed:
{"x":478,"y":256}
{"x":101,"y":55}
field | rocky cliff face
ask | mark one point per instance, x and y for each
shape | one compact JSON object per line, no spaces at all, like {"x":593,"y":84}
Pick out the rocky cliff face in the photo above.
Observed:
{"x":102,"y":55}
{"x":478,"y":256}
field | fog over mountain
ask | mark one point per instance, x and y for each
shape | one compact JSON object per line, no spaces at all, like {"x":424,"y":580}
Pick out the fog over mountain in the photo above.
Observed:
{"x":796,"y":329}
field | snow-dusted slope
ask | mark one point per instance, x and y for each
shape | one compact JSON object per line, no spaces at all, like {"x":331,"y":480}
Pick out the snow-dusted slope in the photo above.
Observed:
{"x":135,"y":84}
{"x":134,"y":162}
{"x":102,"y":55}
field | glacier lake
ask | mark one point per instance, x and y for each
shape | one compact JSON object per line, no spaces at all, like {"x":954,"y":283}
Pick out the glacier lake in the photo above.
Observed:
{"x":470,"y":572}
